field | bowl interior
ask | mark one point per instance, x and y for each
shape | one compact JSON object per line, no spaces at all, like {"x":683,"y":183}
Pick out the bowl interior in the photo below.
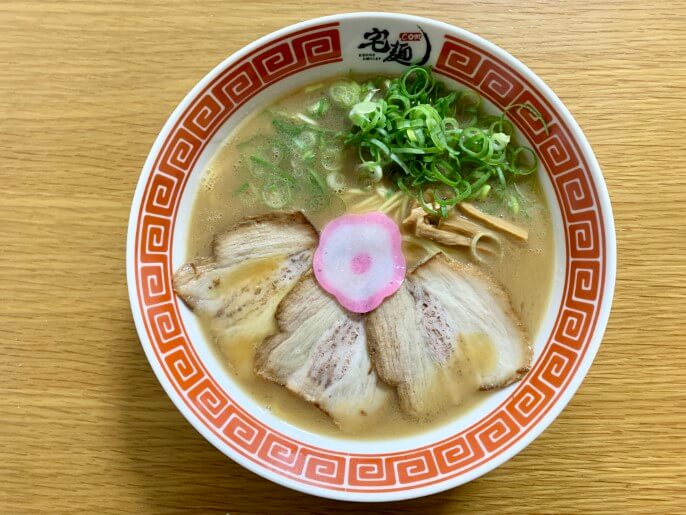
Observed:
{"x":189,"y":368}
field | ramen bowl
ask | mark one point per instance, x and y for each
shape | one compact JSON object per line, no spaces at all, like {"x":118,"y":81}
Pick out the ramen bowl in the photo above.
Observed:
{"x":338,"y":467}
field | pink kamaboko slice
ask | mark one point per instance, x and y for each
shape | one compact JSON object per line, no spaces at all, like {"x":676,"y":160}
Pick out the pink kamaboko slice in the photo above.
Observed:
{"x":359,"y":260}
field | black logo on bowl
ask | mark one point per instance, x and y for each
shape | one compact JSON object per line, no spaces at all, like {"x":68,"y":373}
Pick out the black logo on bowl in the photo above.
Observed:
{"x":403,"y":49}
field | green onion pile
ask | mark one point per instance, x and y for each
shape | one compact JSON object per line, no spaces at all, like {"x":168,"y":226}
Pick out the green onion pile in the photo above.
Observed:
{"x":295,"y":167}
{"x":434,"y":144}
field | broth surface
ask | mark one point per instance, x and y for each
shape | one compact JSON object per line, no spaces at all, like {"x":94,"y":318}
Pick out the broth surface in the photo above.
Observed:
{"x":525,"y":270}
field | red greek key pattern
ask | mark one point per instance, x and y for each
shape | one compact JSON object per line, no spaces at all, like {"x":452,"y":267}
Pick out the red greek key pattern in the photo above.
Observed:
{"x":204,"y":118}
{"x":377,"y":472}
{"x":372,"y":471}
{"x":183,"y":366}
{"x":182,"y":151}
{"x":458,"y":453}
{"x":493,"y":80}
{"x":164,"y":194}
{"x":323,"y":467}
{"x":164,"y":323}
{"x":414,"y":467}
{"x":154,"y":286}
{"x":237,"y":87}
{"x":210,"y":401}
{"x":243,"y":431}
{"x":281,"y":453}
{"x":495,"y":430}
{"x":461,"y":61}
{"x":157,"y":233}
{"x":557,"y":361}
{"x":321,"y":47}
{"x":499,"y":84}
{"x":522,"y":405}
{"x":556,"y":152}
{"x":532,"y":127}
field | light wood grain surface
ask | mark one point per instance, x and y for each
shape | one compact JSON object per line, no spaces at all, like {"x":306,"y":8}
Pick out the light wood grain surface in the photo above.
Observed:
{"x":84,"y":88}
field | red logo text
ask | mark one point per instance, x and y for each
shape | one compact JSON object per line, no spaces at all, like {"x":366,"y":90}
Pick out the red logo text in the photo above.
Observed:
{"x":410,"y":36}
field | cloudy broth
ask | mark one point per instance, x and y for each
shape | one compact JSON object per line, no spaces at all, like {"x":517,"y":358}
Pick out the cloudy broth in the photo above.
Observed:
{"x":525,"y":269}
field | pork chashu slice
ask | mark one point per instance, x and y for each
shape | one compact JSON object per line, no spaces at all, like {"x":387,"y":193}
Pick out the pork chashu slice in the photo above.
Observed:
{"x":447,"y":332}
{"x":253,"y":266}
{"x":320,"y":353}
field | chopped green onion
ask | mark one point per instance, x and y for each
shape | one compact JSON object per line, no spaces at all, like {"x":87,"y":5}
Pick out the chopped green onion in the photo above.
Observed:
{"x":500,"y":141}
{"x":298,"y":166}
{"x":345,"y":93}
{"x":513,"y":204}
{"x":286,"y":128}
{"x":535,"y":112}
{"x":259,"y":167}
{"x":514,"y":158}
{"x":294,"y":182}
{"x":305,"y":140}
{"x":432,"y":141}
{"x":247,"y":194}
{"x":370,"y":171}
{"x":319,"y":108}
{"x":276,"y":193}
{"x":365,"y":114}
{"x":330,"y":158}
{"x":242,"y":188}
{"x":317,"y":181}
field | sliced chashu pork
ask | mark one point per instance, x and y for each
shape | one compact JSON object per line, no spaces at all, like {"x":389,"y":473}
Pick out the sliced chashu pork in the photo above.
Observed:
{"x":253,"y":266}
{"x":448,"y":331}
{"x":320,"y":353}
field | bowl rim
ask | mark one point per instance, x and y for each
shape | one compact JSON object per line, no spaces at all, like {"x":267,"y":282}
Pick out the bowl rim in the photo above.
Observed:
{"x":605,"y":302}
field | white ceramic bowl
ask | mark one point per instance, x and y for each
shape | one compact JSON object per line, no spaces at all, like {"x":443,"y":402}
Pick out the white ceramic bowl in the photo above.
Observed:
{"x":398,"y":468}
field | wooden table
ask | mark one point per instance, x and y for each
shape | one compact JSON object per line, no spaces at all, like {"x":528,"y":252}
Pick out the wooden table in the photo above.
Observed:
{"x":84,"y":88}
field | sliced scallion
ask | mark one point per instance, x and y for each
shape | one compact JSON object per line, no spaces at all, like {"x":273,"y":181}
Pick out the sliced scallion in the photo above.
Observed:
{"x":437,"y":145}
{"x":276,"y":193}
{"x":319,"y":108}
{"x":345,"y":93}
